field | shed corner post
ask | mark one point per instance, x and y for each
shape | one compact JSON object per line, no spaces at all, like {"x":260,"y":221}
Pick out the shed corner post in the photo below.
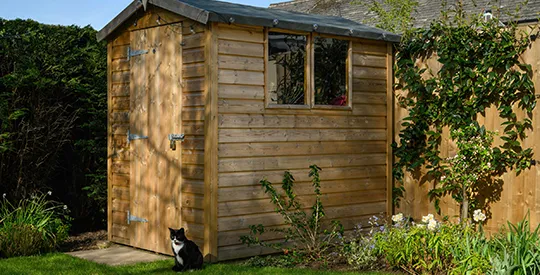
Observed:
{"x":109,"y":140}
{"x":211,"y":145}
{"x":389,"y":129}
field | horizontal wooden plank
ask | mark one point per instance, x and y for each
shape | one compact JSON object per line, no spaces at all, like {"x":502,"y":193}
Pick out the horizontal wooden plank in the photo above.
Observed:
{"x":240,"y":92}
{"x":120,"y":126}
{"x":367,"y":60}
{"x":120,"y":77}
{"x":370,"y":48}
{"x":119,"y":142}
{"x":120,"y":103}
{"x":120,"y":193}
{"x":120,"y":90}
{"x":250,"y":207}
{"x":369,"y":73}
{"x":120,"y":167}
{"x":193,"y":99}
{"x":192,"y":157}
{"x":256,"y":192}
{"x":194,"y":55}
{"x":193,"y":41}
{"x":240,"y":48}
{"x":194,"y":172}
{"x":119,"y":52}
{"x":193,"y":231}
{"x":242,"y":251}
{"x":298,"y":162}
{"x":245,"y":63}
{"x":272,"y":219}
{"x":369,"y":85}
{"x":119,"y":240}
{"x":233,"y":237}
{"x":192,"y":215}
{"x":369,"y":98}
{"x":192,"y":201}
{"x":120,"y":231}
{"x":120,"y":118}
{"x":273,"y":135}
{"x":193,"y":186}
{"x":300,"y":148}
{"x":232,"y":106}
{"x":120,"y":180}
{"x":120,"y":65}
{"x":192,"y":114}
{"x":193,"y":143}
{"x":121,"y":155}
{"x":119,"y":218}
{"x":240,"y":77}
{"x":119,"y":205}
{"x":301,"y":175}
{"x":194,"y":128}
{"x":193,"y":70}
{"x":193,"y":85}
{"x":248,"y":35}
{"x":300,"y":121}
{"x":122,"y":39}
{"x":378,"y":110}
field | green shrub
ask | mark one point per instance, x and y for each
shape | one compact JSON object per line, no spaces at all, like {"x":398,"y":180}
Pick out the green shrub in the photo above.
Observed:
{"x":517,"y":250}
{"x":360,"y":254}
{"x":32,"y":226}
{"x":311,"y":239}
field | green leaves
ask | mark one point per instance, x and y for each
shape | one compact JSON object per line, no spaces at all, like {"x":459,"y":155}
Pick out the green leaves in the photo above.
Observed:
{"x":479,"y":68}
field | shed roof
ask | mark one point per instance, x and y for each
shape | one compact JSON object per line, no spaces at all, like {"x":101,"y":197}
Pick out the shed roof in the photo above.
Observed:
{"x":426,"y":11}
{"x":205,"y":11}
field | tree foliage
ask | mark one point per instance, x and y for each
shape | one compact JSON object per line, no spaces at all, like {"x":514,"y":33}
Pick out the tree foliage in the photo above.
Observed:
{"x":480,"y":69}
{"x":53,"y":114}
{"x":390,"y":15}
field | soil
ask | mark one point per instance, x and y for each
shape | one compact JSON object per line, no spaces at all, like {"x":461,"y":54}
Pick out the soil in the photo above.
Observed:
{"x":85,"y":241}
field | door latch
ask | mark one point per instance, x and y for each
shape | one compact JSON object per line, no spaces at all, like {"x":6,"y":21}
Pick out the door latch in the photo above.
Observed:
{"x":131,"y":218}
{"x":173,"y":138}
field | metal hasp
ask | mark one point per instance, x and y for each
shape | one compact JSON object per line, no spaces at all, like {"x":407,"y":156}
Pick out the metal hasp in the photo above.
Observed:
{"x":131,"y":218}
{"x":131,"y":53}
{"x":131,"y":137}
{"x":173,"y":138}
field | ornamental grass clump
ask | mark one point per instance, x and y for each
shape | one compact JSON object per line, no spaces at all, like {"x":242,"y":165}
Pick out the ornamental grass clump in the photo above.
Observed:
{"x":32,"y":226}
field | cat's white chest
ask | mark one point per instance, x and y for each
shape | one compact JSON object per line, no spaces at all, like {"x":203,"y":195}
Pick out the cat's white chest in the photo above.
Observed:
{"x":176,"y":249}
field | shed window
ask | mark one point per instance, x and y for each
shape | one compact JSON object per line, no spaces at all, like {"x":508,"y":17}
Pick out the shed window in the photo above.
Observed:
{"x":286,"y":68}
{"x":330,"y":73}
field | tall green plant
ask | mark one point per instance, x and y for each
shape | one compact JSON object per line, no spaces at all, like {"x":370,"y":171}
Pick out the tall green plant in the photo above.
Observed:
{"x":391,"y":15}
{"x":480,"y":68}
{"x":309,"y":236}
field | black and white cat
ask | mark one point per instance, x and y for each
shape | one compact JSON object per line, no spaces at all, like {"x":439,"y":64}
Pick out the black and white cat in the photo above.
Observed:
{"x":186,"y":253}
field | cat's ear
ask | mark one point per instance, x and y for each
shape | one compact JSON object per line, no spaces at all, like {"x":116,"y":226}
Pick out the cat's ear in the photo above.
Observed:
{"x":181,"y":230}
{"x":171,"y":230}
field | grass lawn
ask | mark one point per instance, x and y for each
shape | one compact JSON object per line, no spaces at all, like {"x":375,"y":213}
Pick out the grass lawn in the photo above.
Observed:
{"x":58,"y":263}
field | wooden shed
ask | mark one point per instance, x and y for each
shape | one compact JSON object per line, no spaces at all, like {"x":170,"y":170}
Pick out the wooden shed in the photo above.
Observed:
{"x":252,"y":92}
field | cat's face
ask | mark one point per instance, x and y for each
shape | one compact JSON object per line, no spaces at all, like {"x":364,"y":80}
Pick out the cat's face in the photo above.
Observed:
{"x":177,"y":236}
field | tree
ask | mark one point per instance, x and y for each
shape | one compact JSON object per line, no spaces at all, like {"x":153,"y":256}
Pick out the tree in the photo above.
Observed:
{"x":390,"y":15}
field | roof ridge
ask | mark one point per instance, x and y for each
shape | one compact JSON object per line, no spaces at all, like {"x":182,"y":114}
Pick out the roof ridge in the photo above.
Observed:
{"x":290,"y":2}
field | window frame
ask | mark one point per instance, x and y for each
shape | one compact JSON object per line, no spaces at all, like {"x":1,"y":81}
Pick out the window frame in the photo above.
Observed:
{"x":309,"y":73}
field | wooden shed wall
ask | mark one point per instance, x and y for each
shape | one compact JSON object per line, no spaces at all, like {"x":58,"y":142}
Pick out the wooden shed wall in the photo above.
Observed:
{"x":254,"y":142}
{"x":520,"y":194}
{"x":193,"y":98}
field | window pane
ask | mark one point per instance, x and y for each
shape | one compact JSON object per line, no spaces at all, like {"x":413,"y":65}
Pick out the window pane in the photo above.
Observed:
{"x":285,"y":72}
{"x":331,"y":71}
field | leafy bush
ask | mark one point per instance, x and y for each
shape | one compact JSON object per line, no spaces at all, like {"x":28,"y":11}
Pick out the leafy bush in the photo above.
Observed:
{"x":310,"y":239}
{"x":32,"y":226}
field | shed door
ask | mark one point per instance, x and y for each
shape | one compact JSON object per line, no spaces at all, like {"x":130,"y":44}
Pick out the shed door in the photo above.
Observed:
{"x":156,"y":93}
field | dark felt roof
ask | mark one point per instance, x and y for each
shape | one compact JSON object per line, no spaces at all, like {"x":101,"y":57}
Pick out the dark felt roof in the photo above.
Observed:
{"x":427,"y":10}
{"x":217,"y":11}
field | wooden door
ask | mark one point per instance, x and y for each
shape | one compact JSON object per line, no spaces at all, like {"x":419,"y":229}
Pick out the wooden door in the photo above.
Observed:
{"x":155,"y":92}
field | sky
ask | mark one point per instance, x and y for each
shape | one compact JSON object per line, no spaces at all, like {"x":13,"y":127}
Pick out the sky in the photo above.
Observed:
{"x":96,"y":13}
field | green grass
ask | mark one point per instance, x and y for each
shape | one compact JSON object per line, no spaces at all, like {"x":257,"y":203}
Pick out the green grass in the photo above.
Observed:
{"x":58,"y":263}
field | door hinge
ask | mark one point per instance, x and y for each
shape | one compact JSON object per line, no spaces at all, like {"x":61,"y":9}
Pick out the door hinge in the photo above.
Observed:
{"x":173,"y":138}
{"x":131,"y":218}
{"x":131,"y":53}
{"x":131,"y":137}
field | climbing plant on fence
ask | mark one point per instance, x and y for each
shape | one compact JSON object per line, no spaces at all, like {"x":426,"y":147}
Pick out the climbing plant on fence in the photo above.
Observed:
{"x":480,"y":68}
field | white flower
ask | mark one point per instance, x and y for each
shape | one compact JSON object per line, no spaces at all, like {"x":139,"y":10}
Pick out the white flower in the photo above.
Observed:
{"x":432,"y":225}
{"x":428,"y":218}
{"x":65,"y":207}
{"x":478,"y":216}
{"x":4,"y":196}
{"x":421,"y":225}
{"x":397,"y":218}
{"x":49,"y":193}
{"x":443,"y":177}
